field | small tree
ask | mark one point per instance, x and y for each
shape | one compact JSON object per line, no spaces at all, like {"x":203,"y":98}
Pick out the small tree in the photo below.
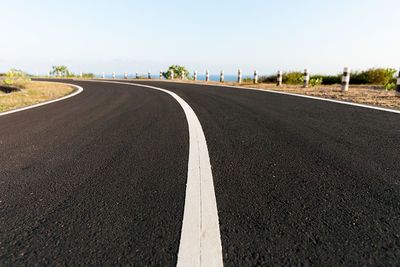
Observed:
{"x":177,"y":69}
{"x":63,"y":70}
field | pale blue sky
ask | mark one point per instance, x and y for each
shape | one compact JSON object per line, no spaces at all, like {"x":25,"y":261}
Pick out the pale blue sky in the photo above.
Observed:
{"x":97,"y":36}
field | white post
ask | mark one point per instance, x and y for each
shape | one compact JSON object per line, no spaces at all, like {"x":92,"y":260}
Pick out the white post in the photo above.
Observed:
{"x":207,"y":75}
{"x":255,"y":76}
{"x":346,"y":79}
{"x":137,"y":75}
{"x":239,"y":76}
{"x":195,"y":75}
{"x":279,"y":78}
{"x":59,"y":73}
{"x":113,"y":75}
{"x":149,"y":75}
{"x":172,"y":74}
{"x":48,"y":74}
{"x":125,"y":75}
{"x":81,"y":74}
{"x":160,"y":74}
{"x":398,"y":85}
{"x":37,"y":74}
{"x":221,"y":77}
{"x":306,"y":78}
{"x":102,"y":76}
{"x":182,"y":75}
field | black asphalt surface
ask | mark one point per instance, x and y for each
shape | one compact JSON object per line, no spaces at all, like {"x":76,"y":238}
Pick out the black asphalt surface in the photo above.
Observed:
{"x":100,"y":178}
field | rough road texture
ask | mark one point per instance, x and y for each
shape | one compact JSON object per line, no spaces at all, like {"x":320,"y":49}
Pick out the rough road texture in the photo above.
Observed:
{"x":100,"y":178}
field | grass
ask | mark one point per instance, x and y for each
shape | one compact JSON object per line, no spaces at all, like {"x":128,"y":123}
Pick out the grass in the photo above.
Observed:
{"x":33,"y":93}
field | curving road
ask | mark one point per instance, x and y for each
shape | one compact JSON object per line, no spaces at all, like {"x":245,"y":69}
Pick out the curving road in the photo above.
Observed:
{"x":100,"y":178}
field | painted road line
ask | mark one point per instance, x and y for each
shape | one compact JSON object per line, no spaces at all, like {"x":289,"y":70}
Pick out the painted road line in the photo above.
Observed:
{"x":200,"y":243}
{"x":292,"y":94}
{"x":79,"y":90}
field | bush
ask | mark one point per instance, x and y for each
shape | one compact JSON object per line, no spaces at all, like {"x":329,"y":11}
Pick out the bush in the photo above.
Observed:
{"x":16,"y":77}
{"x":373,"y":76}
{"x":287,"y":77}
{"x":316,"y":81}
{"x":177,"y":72}
{"x":87,"y":75}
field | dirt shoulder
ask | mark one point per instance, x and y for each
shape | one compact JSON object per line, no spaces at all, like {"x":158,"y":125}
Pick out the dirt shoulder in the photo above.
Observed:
{"x":33,"y":93}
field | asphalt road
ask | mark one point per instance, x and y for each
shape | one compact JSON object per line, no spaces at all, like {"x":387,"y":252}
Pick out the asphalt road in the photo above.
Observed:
{"x":100,"y":178}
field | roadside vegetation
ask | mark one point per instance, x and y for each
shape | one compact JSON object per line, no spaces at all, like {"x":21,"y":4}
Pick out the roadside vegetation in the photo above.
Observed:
{"x":177,"y":70}
{"x":63,"y":72}
{"x":17,"y":90}
{"x":374,"y":76}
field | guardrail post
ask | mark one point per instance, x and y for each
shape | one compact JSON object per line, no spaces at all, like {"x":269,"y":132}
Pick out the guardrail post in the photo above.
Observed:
{"x":182,"y":75}
{"x":239,"y":76}
{"x":221,"y":78}
{"x":125,"y":75}
{"x":113,"y":75}
{"x":279,"y":78}
{"x":59,"y":73}
{"x":160,"y":74}
{"x":48,"y":74}
{"x":149,"y":75}
{"x":255,"y":76}
{"x":172,"y":74}
{"x":37,"y":74}
{"x":346,"y":79}
{"x":195,"y":75}
{"x":207,"y":75}
{"x":137,"y":75}
{"x":306,"y":78}
{"x":102,"y":76}
{"x":398,"y":85}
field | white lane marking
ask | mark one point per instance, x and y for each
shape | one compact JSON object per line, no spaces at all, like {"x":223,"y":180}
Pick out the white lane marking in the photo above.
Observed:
{"x":200,"y":243}
{"x":80,"y":89}
{"x":291,"y":94}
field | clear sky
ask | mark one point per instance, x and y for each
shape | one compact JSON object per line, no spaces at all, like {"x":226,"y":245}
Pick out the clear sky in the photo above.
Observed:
{"x":96,"y":36}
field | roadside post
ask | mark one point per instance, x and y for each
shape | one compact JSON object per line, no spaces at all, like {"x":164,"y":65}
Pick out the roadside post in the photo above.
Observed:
{"x":398,"y":85}
{"x":239,"y":76}
{"x":125,"y":75}
{"x":102,"y":76}
{"x":137,"y":75}
{"x":195,"y":75}
{"x":160,"y":74}
{"x":346,"y":79}
{"x":149,"y":75}
{"x":256,"y":76}
{"x":221,"y":78}
{"x":182,"y":75}
{"x":80,"y":74}
{"x":207,"y":75}
{"x":172,"y":74}
{"x":113,"y":75}
{"x":59,"y":73}
{"x":48,"y":74}
{"x":306,"y":78}
{"x":279,"y":78}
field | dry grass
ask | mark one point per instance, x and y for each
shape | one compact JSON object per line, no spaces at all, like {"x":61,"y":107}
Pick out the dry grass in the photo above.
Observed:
{"x":363,"y":94}
{"x":33,"y":93}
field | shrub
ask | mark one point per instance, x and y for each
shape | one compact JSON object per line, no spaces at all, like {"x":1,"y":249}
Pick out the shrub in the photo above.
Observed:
{"x":316,"y":81}
{"x":16,"y":77}
{"x":293,"y":77}
{"x":389,"y":86}
{"x":177,"y":72}
{"x":87,"y":75}
{"x":373,"y":76}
